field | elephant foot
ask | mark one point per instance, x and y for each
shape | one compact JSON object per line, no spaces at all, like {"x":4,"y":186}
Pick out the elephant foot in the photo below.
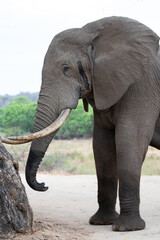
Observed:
{"x":102,"y":217}
{"x":132,"y":222}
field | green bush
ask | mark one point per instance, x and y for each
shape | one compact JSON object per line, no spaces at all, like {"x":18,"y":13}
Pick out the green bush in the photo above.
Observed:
{"x":18,"y":118}
{"x":79,"y":124}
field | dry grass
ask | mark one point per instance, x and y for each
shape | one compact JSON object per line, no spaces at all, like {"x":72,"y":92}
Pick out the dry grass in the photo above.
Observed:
{"x":151,"y":165}
{"x":76,"y":157}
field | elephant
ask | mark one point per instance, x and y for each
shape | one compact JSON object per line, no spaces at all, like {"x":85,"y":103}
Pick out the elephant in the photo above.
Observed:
{"x":113,"y":64}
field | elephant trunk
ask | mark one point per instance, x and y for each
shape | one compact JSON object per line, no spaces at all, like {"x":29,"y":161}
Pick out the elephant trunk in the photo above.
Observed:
{"x":45,"y":127}
{"x":34,"y":159}
{"x":47,"y":112}
{"x":33,"y":162}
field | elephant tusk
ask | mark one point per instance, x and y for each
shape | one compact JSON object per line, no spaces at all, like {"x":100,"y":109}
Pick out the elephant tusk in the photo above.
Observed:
{"x":9,"y":141}
{"x":44,"y":132}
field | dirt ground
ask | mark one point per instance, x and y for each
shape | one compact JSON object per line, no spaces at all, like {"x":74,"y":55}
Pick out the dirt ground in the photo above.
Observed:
{"x":63,"y":211}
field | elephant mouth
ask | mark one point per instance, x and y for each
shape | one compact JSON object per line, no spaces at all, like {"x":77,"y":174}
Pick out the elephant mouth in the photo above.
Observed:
{"x":44,"y":132}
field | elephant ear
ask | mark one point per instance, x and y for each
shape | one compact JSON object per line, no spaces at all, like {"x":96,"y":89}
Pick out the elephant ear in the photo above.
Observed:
{"x":123,"y":51}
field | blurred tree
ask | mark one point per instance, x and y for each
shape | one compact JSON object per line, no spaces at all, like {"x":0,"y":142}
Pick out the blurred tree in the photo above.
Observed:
{"x":20,"y":100}
{"x":18,"y":117}
{"x":79,"y":123}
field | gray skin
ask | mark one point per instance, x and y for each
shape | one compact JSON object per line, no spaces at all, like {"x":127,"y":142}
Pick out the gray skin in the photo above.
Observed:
{"x":113,"y":64}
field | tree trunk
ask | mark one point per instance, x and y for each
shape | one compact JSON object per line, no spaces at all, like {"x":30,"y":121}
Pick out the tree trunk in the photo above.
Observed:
{"x":15,"y":212}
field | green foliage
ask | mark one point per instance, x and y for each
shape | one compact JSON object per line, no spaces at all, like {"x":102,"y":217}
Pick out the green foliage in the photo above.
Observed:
{"x":20,"y":100}
{"x":6,"y":99}
{"x":18,"y":117}
{"x":79,"y":123}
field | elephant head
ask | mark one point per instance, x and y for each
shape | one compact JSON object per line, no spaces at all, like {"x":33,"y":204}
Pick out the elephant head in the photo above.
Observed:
{"x":66,"y":77}
{"x":99,"y":61}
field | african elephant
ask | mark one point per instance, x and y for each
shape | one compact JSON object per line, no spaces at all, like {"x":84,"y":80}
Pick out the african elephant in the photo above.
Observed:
{"x":113,"y":64}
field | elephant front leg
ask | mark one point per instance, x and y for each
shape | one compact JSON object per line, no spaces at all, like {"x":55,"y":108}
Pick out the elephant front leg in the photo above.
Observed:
{"x":105,"y":161}
{"x":131,"y":146}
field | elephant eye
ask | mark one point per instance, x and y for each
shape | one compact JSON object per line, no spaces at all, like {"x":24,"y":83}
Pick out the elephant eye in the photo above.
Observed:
{"x":65,"y":69}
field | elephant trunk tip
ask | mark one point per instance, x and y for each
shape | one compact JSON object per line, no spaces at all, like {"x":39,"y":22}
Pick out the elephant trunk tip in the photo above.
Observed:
{"x":31,"y":170}
{"x":33,"y":183}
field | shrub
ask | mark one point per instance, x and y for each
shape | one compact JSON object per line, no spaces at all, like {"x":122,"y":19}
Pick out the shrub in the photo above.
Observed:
{"x":79,"y":124}
{"x":18,"y":118}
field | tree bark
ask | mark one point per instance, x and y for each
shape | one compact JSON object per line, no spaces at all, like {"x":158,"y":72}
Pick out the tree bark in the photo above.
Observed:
{"x":15,"y":212}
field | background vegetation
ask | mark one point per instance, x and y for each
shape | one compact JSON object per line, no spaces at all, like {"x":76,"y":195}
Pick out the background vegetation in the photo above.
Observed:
{"x":18,"y":118}
{"x":75,"y":156}
{"x":6,"y":99}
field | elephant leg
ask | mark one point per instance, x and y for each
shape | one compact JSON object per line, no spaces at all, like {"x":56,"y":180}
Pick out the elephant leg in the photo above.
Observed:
{"x":106,"y":168}
{"x":131,"y":147}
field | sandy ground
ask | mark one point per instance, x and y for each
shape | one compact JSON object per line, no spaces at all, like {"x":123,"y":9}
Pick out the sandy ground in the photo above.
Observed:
{"x":63,"y":211}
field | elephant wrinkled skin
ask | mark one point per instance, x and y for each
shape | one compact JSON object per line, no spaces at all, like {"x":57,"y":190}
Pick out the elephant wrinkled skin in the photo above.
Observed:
{"x":113,"y":64}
